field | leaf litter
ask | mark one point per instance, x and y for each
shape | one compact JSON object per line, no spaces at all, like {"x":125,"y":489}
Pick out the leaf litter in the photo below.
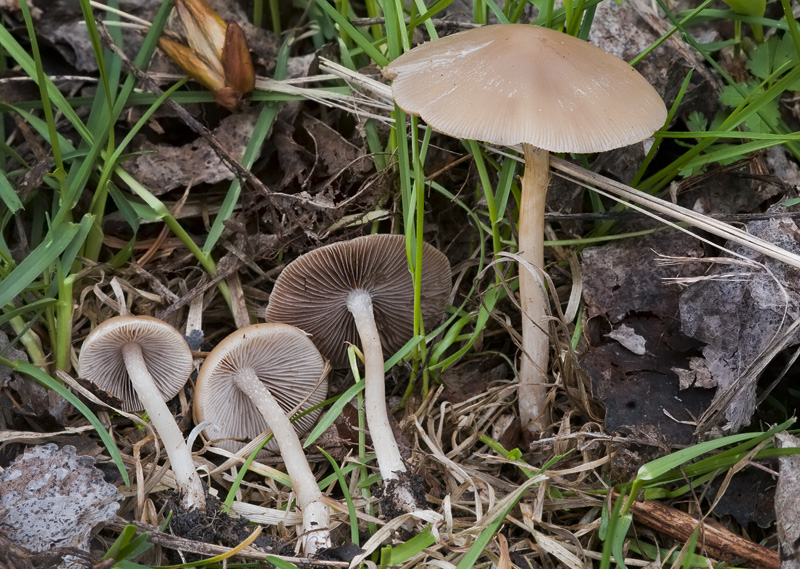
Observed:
{"x":636,"y":353}
{"x":738,"y":309}
{"x":52,"y":499}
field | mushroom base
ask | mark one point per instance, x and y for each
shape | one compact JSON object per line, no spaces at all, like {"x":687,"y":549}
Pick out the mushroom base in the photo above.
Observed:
{"x":403,"y":494}
{"x":316,"y":533}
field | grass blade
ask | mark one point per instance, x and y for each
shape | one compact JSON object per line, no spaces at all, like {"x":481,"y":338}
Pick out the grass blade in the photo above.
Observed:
{"x":45,"y":380}
{"x":8,"y":195}
{"x":37,"y":261}
{"x":503,"y":508}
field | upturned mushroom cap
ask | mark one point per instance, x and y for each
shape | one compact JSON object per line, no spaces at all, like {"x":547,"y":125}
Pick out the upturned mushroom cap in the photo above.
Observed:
{"x":283,"y":358}
{"x":514,"y":83}
{"x":168,"y":357}
{"x":312,"y":292}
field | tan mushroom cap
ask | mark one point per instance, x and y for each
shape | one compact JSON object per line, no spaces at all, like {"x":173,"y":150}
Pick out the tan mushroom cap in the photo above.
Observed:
{"x":283,"y":358}
{"x":312,"y":291}
{"x":168,"y":357}
{"x":512,"y":83}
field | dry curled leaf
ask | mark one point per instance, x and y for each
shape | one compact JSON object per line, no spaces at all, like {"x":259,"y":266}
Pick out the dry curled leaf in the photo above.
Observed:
{"x":740,"y":308}
{"x":52,"y":498}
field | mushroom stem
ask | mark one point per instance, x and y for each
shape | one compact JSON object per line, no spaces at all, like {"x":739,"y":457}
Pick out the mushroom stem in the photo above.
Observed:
{"x":359,"y":303}
{"x":316,"y":532}
{"x":390,"y":463}
{"x":187,"y":480}
{"x":533,"y":296}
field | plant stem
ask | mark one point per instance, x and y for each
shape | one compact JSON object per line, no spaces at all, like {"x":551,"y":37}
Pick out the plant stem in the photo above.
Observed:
{"x":419,"y":193}
{"x":31,"y":342}
{"x":64,"y":322}
{"x":533,"y":295}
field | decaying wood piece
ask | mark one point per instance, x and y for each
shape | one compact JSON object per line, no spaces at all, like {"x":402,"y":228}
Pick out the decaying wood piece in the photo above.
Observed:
{"x":717,"y":541}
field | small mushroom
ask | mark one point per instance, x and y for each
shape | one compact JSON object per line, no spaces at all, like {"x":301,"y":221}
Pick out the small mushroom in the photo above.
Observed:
{"x":249,"y":382}
{"x":145,"y":362}
{"x":512,"y":84}
{"x":362,"y":289}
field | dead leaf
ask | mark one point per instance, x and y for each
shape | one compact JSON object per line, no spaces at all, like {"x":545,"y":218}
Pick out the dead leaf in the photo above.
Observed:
{"x":52,"y":498}
{"x":629,"y":339}
{"x":624,"y":277}
{"x":697,"y":375}
{"x":295,"y":161}
{"x":334,"y":152}
{"x":164,"y":167}
{"x":635,"y":344}
{"x":504,"y":561}
{"x":61,"y":23}
{"x":740,"y":309}
{"x":641,"y":393}
{"x":749,"y":497}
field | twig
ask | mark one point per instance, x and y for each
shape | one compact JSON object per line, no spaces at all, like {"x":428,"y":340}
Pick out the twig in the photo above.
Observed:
{"x":715,"y":539}
{"x":226,"y":267}
{"x":183,"y":544}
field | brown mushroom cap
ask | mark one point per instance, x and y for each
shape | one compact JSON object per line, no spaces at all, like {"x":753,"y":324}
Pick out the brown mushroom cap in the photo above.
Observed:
{"x":514,"y":83}
{"x":168,"y":357}
{"x":312,"y":291}
{"x":283,"y":358}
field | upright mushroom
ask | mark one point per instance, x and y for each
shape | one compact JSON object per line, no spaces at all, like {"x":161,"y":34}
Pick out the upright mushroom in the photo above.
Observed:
{"x":513,"y":84}
{"x":144,"y":362}
{"x":249,"y":382}
{"x":362,"y":288}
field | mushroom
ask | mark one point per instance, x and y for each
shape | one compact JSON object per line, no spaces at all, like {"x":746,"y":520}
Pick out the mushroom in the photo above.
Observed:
{"x":511,"y":84}
{"x":249,"y":382}
{"x":144,"y":362}
{"x":362,"y":288}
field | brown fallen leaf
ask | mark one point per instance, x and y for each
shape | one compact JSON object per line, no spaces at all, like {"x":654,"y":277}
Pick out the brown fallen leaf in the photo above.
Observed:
{"x":504,"y":562}
{"x":636,"y":354}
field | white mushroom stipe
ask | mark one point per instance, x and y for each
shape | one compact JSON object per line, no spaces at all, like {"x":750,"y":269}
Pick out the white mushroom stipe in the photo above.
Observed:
{"x":533,"y":296}
{"x":362,"y":290}
{"x":359,"y":303}
{"x":248,"y":383}
{"x":180,"y":457}
{"x":316,"y":517}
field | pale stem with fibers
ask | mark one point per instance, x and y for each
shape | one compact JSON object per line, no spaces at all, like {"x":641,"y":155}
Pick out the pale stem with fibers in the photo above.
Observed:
{"x":389,"y":460}
{"x":390,"y":463}
{"x":533,"y":296}
{"x":316,"y":516}
{"x":187,"y":480}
